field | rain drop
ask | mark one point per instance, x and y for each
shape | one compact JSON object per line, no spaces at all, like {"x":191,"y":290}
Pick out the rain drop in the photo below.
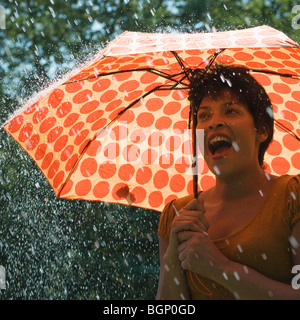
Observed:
{"x":217,"y":171}
{"x":294,"y":243}
{"x":235,"y":146}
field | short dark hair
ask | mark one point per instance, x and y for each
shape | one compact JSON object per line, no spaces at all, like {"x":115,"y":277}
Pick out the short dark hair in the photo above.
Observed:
{"x":212,"y":81}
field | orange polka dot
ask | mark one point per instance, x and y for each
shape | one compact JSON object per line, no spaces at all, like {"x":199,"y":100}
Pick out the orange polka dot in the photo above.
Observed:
{"x":47,"y":124}
{"x":279,"y":55}
{"x":71,"y":162}
{"x":94,"y":148}
{"x":54,"y":134}
{"x":262,"y":55}
{"x":127,"y":117}
{"x":179,"y":127}
{"x":65,"y":155}
{"x":71,"y":119}
{"x":101,"y":85}
{"x":76,"y":128}
{"x":107,"y":170}
{"x":122,"y":76}
{"x":126,"y":172}
{"x":182,"y":164}
{"x":177,"y":183}
{"x":83,"y":187}
{"x":138,"y":135}
{"x":15,"y":124}
{"x":288,"y":115}
{"x":40,"y":152}
{"x":281,"y":88}
{"x":226,"y":59}
{"x":32,"y":108}
{"x":81,"y":136}
{"x":47,"y":161}
{"x":275,"y":98}
{"x":128,"y":86}
{"x":160,"y":179}
{"x":295,"y":159}
{"x":166,"y":160}
{"x":185,"y":112}
{"x":108,"y":96}
{"x":280,"y":165}
{"x":143,"y":175}
{"x":60,"y":143}
{"x":74,"y":87}
{"x":101,"y":189}
{"x":263,"y":79}
{"x":40,"y":115}
{"x":207,"y":182}
{"x":156,"y":139}
{"x":32,"y":142}
{"x":131,"y":96}
{"x":149,"y":156}
{"x":94,"y":116}
{"x":179,"y":94}
{"x":291,"y":143}
{"x":172,"y":107}
{"x":111,"y":150}
{"x":25,"y":132}
{"x":113,"y":105}
{"x":293,"y":106}
{"x":58,"y":179}
{"x":131,"y":152}
{"x":145,"y":119}
{"x":120,"y":191}
{"x":67,"y":187}
{"x":148,"y":77}
{"x":296,"y":95}
{"x":275,"y":148}
{"x":83,"y":96}
{"x":64,"y":109}
{"x":55,"y":98}
{"x":170,"y":198}
{"x":99,"y":124}
{"x":53,"y":169}
{"x":138,"y":194}
{"x":163,"y":123}
{"x":155,"y":199}
{"x":88,"y":167}
{"x":154,"y":104}
{"x":284,"y":123}
{"x":243,"y":56}
{"x":173,"y":143}
{"x":89,"y":106}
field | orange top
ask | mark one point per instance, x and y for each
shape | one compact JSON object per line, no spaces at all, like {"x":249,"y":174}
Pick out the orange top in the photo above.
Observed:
{"x":262,"y":245}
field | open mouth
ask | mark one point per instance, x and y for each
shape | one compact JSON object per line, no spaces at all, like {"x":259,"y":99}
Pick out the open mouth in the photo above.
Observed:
{"x":219,"y":145}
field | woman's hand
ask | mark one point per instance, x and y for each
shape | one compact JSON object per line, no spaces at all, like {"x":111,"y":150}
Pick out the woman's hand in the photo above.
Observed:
{"x":196,"y":251}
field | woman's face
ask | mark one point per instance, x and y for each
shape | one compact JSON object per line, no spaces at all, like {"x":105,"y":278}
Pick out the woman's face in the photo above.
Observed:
{"x":231,"y":141}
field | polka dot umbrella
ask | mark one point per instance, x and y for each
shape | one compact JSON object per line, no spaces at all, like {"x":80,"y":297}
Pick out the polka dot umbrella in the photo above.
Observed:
{"x":116,"y":129}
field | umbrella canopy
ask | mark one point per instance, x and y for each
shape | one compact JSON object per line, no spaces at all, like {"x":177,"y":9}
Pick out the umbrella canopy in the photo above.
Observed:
{"x":116,"y":130}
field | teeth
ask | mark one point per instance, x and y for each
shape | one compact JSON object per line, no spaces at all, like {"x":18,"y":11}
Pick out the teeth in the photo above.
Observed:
{"x":219,"y":138}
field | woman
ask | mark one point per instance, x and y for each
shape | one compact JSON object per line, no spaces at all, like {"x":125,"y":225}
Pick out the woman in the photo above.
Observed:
{"x":239,"y":239}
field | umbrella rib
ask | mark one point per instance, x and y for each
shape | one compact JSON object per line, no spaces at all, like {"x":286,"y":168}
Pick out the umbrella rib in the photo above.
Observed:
{"x":154,"y":71}
{"x":287,"y":75}
{"x":286,"y":129}
{"x":160,"y":87}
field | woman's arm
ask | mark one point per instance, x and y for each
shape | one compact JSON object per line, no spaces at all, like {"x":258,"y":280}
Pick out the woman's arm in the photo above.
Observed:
{"x":172,"y":283}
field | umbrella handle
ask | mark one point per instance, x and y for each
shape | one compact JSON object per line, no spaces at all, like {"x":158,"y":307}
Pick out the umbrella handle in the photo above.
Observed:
{"x":195,"y":158}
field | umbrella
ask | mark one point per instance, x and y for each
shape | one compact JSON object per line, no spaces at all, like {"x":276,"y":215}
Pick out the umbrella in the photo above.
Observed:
{"x":117,"y":129}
